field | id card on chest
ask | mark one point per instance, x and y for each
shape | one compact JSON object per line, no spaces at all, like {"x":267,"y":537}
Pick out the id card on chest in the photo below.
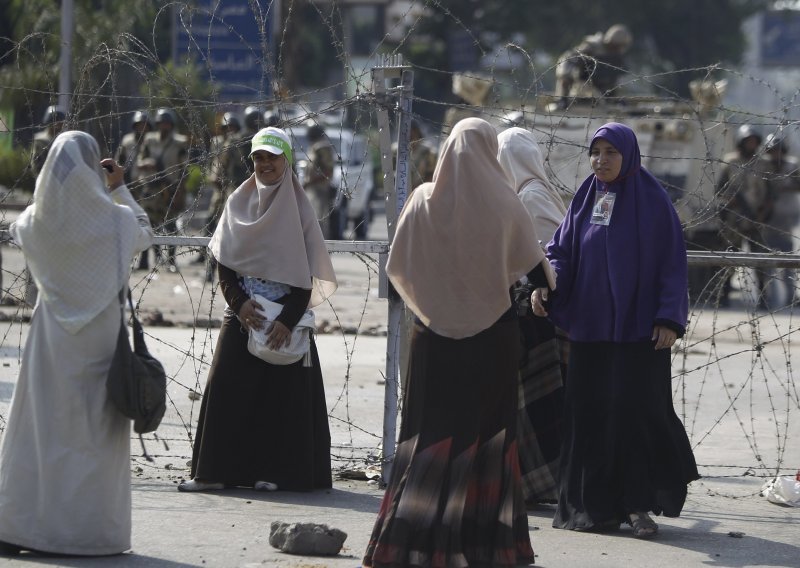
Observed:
{"x":603,"y":208}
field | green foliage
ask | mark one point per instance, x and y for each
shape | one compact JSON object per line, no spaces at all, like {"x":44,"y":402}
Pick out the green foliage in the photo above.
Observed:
{"x":14,"y":171}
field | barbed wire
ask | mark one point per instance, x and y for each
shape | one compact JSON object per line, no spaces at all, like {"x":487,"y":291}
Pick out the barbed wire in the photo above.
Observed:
{"x":734,"y":364}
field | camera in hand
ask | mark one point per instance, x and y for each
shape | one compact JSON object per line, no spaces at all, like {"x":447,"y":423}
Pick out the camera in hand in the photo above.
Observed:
{"x":109,"y":168}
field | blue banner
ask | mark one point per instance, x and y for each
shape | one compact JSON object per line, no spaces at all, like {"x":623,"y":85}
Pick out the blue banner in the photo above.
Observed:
{"x":230,"y":41}
{"x":780,"y":39}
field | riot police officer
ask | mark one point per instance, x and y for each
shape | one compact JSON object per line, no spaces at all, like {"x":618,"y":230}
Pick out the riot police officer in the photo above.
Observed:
{"x":52,"y":125}
{"x":162,"y":161}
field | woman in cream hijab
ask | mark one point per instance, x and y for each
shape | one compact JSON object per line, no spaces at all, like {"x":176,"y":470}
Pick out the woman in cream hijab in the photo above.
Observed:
{"x":461,"y":243}
{"x":261,"y":425}
{"x":545,"y":349}
{"x":65,"y":460}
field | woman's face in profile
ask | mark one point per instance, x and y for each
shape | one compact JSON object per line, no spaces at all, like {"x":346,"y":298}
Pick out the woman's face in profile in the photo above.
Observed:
{"x":269,"y":167}
{"x":606,"y":161}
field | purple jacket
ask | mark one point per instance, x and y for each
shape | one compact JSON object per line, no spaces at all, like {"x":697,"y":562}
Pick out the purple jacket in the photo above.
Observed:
{"x":616,"y":282}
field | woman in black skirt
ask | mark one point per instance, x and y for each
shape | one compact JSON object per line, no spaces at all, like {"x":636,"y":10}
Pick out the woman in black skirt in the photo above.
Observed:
{"x":622,"y":298}
{"x":261,"y":425}
{"x":454,"y":497}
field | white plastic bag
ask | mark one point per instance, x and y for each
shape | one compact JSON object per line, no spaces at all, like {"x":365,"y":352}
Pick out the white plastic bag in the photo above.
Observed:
{"x":783,"y":490}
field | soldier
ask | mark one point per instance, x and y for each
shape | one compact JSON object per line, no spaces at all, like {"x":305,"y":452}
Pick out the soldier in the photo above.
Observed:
{"x":128,"y":151}
{"x":422,"y":159}
{"x":744,"y":199}
{"x":52,"y":125}
{"x":591,"y":68}
{"x":321,"y":161}
{"x":782,"y":174}
{"x":253,"y":121}
{"x":271,"y":118}
{"x":162,"y":161}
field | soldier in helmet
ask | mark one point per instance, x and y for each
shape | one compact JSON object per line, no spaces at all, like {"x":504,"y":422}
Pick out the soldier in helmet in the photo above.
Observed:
{"x":253,"y":121}
{"x":591,"y":68}
{"x":52,"y":125}
{"x":744,"y":203}
{"x":318,"y":185}
{"x":271,"y":118}
{"x":162,"y":161}
{"x":228,"y":169}
{"x":782,"y":175}
{"x":128,"y":151}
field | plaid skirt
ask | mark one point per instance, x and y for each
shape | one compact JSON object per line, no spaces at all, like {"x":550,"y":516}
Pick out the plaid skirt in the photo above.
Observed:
{"x":541,"y":407}
{"x":454,"y":498}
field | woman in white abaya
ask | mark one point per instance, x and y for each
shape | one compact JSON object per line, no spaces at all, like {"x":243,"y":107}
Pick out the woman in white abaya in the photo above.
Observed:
{"x":65,"y":455}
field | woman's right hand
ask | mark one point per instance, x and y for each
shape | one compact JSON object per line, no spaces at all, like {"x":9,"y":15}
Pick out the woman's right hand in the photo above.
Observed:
{"x":538,"y":299}
{"x":249,"y":316}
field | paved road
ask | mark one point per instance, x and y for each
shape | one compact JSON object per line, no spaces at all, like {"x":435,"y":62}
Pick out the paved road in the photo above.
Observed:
{"x":740,"y":405}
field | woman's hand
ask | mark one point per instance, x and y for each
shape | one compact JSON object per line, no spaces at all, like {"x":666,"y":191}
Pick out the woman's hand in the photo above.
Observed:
{"x":249,"y":316}
{"x":538,"y":298}
{"x":115,"y":176}
{"x":279,"y":335}
{"x":664,"y":337}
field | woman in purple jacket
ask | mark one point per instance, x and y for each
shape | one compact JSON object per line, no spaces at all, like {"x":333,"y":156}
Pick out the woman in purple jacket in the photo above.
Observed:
{"x":622,"y":297}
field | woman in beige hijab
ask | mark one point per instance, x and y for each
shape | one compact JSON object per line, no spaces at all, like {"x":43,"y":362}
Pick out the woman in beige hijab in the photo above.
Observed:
{"x":261,"y":425}
{"x":543,"y":362}
{"x":461,"y":243}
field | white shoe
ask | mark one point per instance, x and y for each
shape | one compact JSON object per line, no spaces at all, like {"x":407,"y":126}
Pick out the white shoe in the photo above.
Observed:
{"x":194,"y":485}
{"x":265,"y":486}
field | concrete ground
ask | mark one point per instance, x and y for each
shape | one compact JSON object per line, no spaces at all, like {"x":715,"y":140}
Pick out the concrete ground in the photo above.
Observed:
{"x":734,"y":388}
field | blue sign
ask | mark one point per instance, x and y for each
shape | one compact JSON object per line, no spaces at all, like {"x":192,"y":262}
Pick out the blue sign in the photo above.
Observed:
{"x":230,"y":40}
{"x":780,"y":38}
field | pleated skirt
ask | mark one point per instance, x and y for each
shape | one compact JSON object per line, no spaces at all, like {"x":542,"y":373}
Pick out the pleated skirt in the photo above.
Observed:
{"x":455,"y":498}
{"x":541,"y":407}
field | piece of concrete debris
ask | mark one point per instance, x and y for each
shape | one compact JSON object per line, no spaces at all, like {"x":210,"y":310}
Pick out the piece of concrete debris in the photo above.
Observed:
{"x":308,"y":539}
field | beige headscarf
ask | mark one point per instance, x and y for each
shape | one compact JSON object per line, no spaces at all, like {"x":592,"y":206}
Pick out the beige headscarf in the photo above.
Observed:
{"x":463,"y":239}
{"x":521,"y":158}
{"x":271,"y":232}
{"x":77,"y":242}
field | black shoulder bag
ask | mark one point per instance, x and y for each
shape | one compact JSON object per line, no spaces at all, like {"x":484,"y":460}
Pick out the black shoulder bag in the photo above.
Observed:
{"x":136,"y":382}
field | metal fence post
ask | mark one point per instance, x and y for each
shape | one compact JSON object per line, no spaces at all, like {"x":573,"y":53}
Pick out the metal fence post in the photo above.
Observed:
{"x":395,"y":186}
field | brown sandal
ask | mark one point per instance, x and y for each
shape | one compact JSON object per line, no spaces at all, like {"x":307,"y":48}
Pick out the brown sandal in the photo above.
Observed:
{"x":643,"y":525}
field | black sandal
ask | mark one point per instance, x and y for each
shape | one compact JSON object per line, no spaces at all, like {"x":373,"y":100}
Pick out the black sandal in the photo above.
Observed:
{"x":643,"y":525}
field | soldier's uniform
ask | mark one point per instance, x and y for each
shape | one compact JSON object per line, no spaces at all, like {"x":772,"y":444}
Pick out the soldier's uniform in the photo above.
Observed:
{"x":162,"y":161}
{"x":318,"y":186}
{"x":782,"y":175}
{"x":41,"y":146}
{"x":129,"y":149}
{"x":591,"y":68}
{"x":743,"y":201}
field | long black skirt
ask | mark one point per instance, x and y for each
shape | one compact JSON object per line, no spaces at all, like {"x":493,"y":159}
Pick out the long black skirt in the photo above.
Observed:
{"x":541,"y":407}
{"x":262,"y":422}
{"x":454,"y":497}
{"x":625,"y":450}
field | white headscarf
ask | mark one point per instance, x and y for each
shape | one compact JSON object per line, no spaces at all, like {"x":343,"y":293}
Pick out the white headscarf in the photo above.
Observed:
{"x":271,"y":232}
{"x":521,"y":158}
{"x":77,"y":242}
{"x":463,"y":239}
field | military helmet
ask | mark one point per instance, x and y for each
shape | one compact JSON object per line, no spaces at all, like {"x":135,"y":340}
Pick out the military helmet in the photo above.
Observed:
{"x":746,"y":131}
{"x":618,"y":35}
{"x":54,"y":113}
{"x":775,"y":140}
{"x":314,"y":131}
{"x":230,"y":120}
{"x":139,"y":117}
{"x":166,"y":115}
{"x":253,"y":117}
{"x":271,"y":118}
